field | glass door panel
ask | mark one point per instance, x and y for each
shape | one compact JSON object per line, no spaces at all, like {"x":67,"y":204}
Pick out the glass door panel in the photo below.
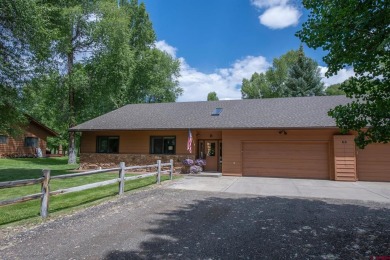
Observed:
{"x":211,"y":149}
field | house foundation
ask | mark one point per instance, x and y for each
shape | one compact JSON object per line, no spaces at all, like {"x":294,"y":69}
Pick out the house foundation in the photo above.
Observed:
{"x":103,"y":160}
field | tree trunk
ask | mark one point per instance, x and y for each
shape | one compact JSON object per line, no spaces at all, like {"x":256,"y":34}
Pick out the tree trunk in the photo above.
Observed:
{"x":72,"y":120}
{"x":72,"y":150}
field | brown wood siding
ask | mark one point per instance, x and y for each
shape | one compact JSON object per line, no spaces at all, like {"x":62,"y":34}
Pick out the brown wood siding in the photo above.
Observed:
{"x":345,"y":157}
{"x":232,"y":139}
{"x":135,"y":142}
{"x":208,"y":134}
{"x":286,"y":159}
{"x":373,"y":163}
{"x":16,"y":145}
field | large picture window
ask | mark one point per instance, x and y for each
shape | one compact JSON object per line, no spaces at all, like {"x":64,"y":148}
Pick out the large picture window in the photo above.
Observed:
{"x":107,"y":144}
{"x":31,"y":142}
{"x":3,"y":139}
{"x":163,"y":145}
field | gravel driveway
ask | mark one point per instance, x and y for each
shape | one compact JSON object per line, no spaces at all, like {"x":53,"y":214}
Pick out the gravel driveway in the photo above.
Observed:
{"x":161,"y":223}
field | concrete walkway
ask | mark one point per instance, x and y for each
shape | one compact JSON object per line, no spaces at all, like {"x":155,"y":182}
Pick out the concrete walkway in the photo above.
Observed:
{"x":324,"y":189}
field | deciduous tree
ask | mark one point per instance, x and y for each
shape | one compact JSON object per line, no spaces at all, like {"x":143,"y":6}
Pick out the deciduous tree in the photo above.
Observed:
{"x":120,"y":66}
{"x":256,"y":87}
{"x":212,"y":96}
{"x":23,"y":44}
{"x":334,"y":90}
{"x":356,"y":34}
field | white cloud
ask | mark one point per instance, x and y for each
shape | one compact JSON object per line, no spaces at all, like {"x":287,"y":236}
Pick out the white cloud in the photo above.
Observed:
{"x":340,"y":77}
{"x":268,"y":3}
{"x":278,"y":14}
{"x":163,"y":46}
{"x":244,"y":69}
{"x":224,"y":81}
{"x":279,"y":17}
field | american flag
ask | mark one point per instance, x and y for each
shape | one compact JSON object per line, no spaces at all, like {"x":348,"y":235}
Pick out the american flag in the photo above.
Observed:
{"x":189,"y":141}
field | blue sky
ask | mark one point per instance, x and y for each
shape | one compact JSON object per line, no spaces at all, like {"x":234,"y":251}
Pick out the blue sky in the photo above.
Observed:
{"x":219,"y":42}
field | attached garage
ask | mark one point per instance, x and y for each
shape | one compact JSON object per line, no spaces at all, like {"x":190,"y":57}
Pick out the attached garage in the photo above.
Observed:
{"x":373,"y":163}
{"x":286,"y":159}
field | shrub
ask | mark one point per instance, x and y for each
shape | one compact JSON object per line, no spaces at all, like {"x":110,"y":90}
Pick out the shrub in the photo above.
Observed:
{"x":195,"y":169}
{"x":200,"y":162}
{"x":188,"y":162}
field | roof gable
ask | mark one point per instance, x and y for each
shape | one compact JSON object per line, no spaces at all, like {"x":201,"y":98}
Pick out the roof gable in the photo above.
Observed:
{"x":49,"y":131}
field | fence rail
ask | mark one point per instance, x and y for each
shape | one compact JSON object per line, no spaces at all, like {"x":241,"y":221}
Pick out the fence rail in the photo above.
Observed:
{"x":19,"y":183}
{"x":45,"y":183}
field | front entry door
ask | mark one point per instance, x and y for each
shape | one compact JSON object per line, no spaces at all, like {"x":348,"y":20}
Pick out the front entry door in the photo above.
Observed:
{"x":211,"y":152}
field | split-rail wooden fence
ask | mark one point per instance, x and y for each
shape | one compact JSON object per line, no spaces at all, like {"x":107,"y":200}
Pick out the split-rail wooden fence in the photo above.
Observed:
{"x":45,"y":183}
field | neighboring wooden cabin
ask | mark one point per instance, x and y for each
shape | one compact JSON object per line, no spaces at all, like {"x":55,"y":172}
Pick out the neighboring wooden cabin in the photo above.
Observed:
{"x":285,"y":137}
{"x":34,"y":136}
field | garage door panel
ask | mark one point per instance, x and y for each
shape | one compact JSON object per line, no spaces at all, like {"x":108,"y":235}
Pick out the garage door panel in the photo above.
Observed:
{"x":299,"y":147}
{"x":288,"y":169}
{"x":289,"y":159}
{"x":296,"y":173}
{"x":373,"y":163}
{"x":275,"y":163}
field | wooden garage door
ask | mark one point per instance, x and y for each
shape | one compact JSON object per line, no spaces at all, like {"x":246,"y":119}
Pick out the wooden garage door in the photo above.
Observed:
{"x":373,"y":163}
{"x":286,"y":159}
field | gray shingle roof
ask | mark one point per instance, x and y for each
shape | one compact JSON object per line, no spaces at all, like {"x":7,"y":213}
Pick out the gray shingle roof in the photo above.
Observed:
{"x":298,"y":112}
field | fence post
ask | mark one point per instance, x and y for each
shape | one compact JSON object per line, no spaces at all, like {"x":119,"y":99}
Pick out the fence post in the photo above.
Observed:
{"x":158,"y":171}
{"x":45,"y":189}
{"x":171,"y":170}
{"x":121,"y":178}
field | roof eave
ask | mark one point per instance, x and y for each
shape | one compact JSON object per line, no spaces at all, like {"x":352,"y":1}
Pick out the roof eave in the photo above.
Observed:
{"x":204,"y":128}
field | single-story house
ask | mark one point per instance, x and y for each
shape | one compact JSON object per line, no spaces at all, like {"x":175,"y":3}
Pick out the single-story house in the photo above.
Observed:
{"x":33,"y":137}
{"x":281,"y":137}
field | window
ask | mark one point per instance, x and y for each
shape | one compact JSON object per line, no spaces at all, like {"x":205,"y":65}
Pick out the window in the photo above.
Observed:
{"x":210,"y":148}
{"x":107,"y":144}
{"x":217,"y":111}
{"x":31,"y":142}
{"x":163,"y":145}
{"x":3,"y":139}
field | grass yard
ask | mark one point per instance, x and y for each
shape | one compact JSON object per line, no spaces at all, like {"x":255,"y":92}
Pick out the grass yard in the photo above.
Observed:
{"x":30,"y":168}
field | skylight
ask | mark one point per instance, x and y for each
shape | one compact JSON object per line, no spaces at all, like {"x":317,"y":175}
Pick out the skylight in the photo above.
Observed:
{"x":217,"y":111}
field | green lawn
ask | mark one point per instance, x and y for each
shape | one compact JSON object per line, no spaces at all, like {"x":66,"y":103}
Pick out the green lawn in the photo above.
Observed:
{"x":16,"y":169}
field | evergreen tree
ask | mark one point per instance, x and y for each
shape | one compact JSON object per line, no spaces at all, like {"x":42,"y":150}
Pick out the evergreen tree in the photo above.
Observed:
{"x":304,"y":78}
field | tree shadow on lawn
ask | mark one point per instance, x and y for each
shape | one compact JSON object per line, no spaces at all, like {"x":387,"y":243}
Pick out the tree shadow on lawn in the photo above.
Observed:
{"x":44,"y":161}
{"x":24,"y":173}
{"x":263,"y":227}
